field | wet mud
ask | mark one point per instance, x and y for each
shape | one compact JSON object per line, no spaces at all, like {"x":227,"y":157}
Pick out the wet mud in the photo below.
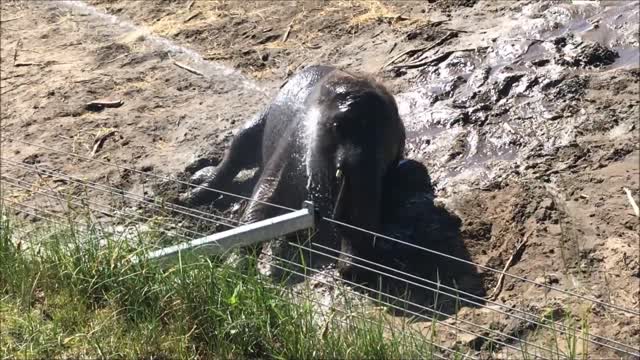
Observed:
{"x":516,"y":95}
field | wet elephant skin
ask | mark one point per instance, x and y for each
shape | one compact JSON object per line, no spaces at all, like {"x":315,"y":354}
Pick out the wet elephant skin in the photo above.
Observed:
{"x":329,"y":137}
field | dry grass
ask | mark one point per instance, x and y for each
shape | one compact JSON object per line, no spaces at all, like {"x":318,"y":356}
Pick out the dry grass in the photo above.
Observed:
{"x":374,"y":10}
{"x":226,"y":30}
{"x":209,"y":12}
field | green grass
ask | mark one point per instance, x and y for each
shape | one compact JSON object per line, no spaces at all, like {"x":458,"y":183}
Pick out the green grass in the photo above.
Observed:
{"x":68,"y":290}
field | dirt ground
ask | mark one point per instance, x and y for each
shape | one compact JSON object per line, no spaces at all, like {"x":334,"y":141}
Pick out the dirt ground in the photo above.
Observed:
{"x":526,"y":114}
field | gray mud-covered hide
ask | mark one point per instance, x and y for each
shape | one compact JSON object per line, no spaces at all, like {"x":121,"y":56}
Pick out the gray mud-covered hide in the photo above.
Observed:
{"x":329,"y":137}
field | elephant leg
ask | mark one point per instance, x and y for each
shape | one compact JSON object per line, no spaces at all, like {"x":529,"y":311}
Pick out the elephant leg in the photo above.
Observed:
{"x":268,"y":190}
{"x":245,"y":152}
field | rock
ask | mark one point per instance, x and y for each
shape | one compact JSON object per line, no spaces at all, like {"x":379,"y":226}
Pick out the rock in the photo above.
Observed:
{"x":472,"y":341}
{"x":518,"y":327}
{"x":547,"y":204}
{"x":246,"y":175}
{"x":593,"y":55}
{"x":146,"y":168}
{"x":548,"y":279}
{"x":541,"y":215}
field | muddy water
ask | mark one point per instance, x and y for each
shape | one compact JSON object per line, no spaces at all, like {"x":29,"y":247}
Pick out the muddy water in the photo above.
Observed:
{"x":474,"y":116}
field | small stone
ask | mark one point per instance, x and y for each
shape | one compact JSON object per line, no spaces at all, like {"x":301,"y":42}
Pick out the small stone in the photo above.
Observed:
{"x":547,"y":204}
{"x":548,"y":279}
{"x":541,"y":215}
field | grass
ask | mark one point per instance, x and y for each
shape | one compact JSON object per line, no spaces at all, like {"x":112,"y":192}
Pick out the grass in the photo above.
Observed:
{"x":68,"y":290}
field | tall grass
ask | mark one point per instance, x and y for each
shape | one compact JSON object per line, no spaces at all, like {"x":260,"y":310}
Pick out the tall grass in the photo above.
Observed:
{"x":69,"y":290}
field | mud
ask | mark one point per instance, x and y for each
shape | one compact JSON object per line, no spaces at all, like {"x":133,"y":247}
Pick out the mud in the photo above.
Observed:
{"x":527,"y":121}
{"x":514,"y":94}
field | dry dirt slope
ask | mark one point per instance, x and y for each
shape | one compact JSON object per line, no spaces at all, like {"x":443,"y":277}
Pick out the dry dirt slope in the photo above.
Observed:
{"x":566,"y":198}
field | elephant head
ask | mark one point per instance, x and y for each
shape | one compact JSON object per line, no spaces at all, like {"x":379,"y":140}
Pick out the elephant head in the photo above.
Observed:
{"x":355,"y":137}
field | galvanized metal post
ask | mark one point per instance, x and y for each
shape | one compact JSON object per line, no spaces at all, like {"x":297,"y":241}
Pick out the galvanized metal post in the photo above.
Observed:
{"x":240,"y":236}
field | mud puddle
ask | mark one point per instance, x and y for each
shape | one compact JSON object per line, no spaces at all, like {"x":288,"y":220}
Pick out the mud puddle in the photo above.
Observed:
{"x":474,"y":115}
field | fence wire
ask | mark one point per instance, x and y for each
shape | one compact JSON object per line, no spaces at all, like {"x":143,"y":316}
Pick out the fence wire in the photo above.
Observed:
{"x":84,"y":203}
{"x":378,"y":235}
{"x":422,"y":307}
{"x":375,"y":234}
{"x":500,"y":343}
{"x":549,"y":287}
{"x":491,"y":340}
{"x":299,"y":294}
{"x":322,"y":250}
{"x":128,"y":195}
{"x":400,"y":308}
{"x":307,"y":277}
{"x":160,"y":177}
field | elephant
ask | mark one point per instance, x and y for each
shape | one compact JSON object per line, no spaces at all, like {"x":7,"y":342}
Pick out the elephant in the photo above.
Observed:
{"x":329,"y":136}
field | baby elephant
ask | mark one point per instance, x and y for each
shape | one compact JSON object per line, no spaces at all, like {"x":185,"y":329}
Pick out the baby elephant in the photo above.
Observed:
{"x":329,"y":137}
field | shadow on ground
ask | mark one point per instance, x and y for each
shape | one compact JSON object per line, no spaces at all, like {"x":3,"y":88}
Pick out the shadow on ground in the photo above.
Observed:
{"x":412,"y":216}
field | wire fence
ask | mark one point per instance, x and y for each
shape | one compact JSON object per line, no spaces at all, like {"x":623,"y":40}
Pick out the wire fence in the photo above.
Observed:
{"x":324,"y":308}
{"x":382,"y":236}
{"x":65,"y":201}
{"x":307,"y":277}
{"x":409,"y":278}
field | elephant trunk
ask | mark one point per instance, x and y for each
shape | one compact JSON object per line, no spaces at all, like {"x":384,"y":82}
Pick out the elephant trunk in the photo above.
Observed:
{"x":358,"y":203}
